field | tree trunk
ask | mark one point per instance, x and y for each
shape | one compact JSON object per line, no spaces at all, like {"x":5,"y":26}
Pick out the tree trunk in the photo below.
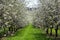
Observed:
{"x":56,"y":32}
{"x":50,"y":31}
{"x":47,"y":31}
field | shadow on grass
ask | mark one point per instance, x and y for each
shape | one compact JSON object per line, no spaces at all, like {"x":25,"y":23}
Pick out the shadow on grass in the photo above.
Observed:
{"x":56,"y":38}
{"x":41,"y":36}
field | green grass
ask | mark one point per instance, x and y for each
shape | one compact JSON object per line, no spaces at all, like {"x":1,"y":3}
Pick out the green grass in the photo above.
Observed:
{"x":28,"y":33}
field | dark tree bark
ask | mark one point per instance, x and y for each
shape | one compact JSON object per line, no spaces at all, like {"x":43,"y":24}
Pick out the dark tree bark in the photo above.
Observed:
{"x":47,"y":31}
{"x":56,"y":31}
{"x":51,"y":30}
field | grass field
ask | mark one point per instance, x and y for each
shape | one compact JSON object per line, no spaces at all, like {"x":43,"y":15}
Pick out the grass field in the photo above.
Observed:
{"x":28,"y":33}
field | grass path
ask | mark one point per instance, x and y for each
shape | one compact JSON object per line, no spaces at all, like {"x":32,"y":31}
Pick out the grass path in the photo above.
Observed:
{"x":28,"y":33}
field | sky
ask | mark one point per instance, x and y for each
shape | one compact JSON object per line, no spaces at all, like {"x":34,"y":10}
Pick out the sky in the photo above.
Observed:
{"x":30,"y":15}
{"x":32,"y":3}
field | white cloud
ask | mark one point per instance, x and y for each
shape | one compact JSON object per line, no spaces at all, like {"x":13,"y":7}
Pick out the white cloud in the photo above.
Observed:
{"x":32,"y":3}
